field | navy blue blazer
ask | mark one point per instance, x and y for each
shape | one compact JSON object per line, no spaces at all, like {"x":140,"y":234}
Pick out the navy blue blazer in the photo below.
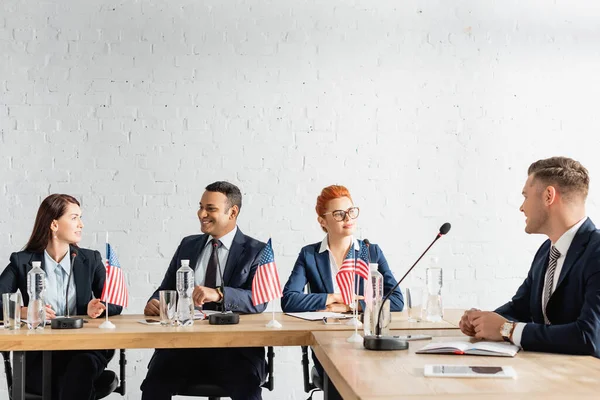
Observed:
{"x":573,"y":308}
{"x":237,"y":276}
{"x":89,"y":274}
{"x":313,"y":268}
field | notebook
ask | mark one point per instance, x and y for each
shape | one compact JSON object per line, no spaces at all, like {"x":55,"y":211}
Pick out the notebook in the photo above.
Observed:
{"x":483,"y":348}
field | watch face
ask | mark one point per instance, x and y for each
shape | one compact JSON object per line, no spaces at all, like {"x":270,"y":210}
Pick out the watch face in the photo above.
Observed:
{"x":505,"y":331}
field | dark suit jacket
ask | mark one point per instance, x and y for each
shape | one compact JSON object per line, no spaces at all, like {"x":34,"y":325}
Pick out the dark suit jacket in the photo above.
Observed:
{"x":313,"y":268}
{"x":238,"y":274}
{"x":573,"y":308}
{"x":89,"y":274}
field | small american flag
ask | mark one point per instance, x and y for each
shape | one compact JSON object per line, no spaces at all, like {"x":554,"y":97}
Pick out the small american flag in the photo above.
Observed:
{"x":115,"y":289}
{"x":345,"y":276}
{"x":266,"y":285}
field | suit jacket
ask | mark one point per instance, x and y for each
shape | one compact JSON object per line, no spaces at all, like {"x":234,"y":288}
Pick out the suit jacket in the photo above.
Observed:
{"x":238,"y":274}
{"x":573,"y":308}
{"x":314,"y":268}
{"x":89,"y":274}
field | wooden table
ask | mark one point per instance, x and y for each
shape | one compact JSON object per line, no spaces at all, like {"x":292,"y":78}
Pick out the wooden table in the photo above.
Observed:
{"x":369,"y":375}
{"x":130,"y":334}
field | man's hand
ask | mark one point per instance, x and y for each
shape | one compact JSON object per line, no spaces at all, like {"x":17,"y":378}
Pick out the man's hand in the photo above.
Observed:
{"x":152,"y":308}
{"x":203,"y":294}
{"x":487,"y":324}
{"x":334,"y":298}
{"x":95,"y":308}
{"x":465,"y":324}
{"x":337,"y":307}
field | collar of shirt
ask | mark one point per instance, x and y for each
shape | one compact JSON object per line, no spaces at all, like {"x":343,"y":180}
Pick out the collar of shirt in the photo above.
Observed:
{"x":50,"y":264}
{"x":226,"y":240}
{"x":325,"y":244}
{"x":564,"y":242}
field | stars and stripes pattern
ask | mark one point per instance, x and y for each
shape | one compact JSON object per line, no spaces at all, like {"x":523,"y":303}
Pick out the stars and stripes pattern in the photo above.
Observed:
{"x":115,"y":289}
{"x":266,"y":285}
{"x":352,"y":266}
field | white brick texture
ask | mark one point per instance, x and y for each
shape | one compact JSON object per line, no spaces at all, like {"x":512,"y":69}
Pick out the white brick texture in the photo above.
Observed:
{"x":428,"y":111}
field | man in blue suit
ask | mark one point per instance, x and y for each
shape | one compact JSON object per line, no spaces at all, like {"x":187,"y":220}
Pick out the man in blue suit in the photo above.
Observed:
{"x":240,"y":371}
{"x":557,"y":308}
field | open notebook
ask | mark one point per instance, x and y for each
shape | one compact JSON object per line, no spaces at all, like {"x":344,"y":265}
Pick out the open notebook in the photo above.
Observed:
{"x":483,"y":348}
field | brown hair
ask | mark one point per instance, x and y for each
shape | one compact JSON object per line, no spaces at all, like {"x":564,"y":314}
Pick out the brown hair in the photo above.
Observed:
{"x":328,"y":194}
{"x":53,"y":207}
{"x":568,"y":175}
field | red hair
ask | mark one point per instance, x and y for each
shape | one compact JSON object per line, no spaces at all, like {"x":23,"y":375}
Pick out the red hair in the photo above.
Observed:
{"x":330,"y":193}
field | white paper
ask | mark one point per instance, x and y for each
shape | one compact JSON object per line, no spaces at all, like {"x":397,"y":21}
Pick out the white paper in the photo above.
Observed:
{"x":318,"y":315}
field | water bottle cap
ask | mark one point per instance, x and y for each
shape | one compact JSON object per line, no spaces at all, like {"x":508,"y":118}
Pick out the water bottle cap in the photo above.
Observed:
{"x":185,"y":263}
{"x":434,"y":261}
{"x":36,"y":264}
{"x":374,"y":266}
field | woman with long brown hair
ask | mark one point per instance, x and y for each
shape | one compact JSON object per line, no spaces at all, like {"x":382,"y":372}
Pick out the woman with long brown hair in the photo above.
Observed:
{"x":74,"y":282}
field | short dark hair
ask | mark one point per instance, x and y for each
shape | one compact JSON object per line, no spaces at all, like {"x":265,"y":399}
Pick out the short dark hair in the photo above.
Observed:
{"x":567,"y":174}
{"x":234,"y":196}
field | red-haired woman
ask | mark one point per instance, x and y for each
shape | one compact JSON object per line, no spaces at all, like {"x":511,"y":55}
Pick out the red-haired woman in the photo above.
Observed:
{"x":53,"y":242}
{"x":318,"y":263}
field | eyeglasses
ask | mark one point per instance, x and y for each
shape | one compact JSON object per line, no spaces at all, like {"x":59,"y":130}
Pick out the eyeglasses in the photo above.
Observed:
{"x":340,"y":215}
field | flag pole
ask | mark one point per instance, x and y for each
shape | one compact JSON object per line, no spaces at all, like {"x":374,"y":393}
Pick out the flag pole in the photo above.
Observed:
{"x":273,"y":324}
{"x":106,"y":324}
{"x":355,"y":337}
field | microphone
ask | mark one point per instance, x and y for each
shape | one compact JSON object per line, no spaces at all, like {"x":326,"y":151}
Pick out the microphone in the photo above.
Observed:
{"x":224,"y":317}
{"x":68,"y":322}
{"x":378,"y":342}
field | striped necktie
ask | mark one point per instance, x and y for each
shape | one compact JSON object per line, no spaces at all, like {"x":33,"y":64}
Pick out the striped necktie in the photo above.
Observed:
{"x":554,"y":255}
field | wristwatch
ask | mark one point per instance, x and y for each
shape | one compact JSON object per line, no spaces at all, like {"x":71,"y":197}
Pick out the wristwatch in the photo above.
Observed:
{"x":507,"y":329}
{"x":220,"y":294}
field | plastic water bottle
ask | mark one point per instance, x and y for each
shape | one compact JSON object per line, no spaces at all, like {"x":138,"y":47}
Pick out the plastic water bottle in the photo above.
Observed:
{"x":433,"y":308}
{"x":36,"y":288}
{"x":373,"y":299}
{"x":185,"y":289}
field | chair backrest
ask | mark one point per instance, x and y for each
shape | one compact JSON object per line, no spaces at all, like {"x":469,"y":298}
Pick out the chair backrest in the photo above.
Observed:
{"x":106,"y":384}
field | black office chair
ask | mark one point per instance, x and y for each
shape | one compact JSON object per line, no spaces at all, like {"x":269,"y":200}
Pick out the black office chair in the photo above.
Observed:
{"x":214,"y":392}
{"x":107,"y":382}
{"x":313,"y":382}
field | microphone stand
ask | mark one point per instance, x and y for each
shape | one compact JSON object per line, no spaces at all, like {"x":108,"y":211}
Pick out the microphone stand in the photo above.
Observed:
{"x":68,"y":322}
{"x":224,"y":317}
{"x":107,"y":324}
{"x":379,"y":342}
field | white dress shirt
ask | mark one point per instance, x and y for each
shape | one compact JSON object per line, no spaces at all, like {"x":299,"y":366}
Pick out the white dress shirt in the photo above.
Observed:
{"x":562,"y":245}
{"x":56,"y":289}
{"x":222,"y":253}
{"x":332,"y":264}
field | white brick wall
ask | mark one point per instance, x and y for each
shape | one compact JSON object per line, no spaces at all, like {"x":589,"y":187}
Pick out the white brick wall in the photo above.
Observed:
{"x":428,"y":111}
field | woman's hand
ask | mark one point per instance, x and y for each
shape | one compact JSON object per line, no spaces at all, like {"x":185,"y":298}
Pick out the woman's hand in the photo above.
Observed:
{"x":50,"y":314}
{"x":95,"y":308}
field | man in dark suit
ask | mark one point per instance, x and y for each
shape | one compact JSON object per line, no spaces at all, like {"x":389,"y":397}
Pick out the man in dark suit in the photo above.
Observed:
{"x":240,"y":371}
{"x":557,"y":308}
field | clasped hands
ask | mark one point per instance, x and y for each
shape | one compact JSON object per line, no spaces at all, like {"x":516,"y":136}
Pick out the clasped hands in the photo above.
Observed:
{"x":335,"y":303}
{"x":201,"y":295}
{"x":482,"y":324}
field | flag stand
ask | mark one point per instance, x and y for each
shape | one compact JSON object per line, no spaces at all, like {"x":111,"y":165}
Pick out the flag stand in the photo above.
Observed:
{"x":107,"y":324}
{"x":273,"y":323}
{"x":355,"y":337}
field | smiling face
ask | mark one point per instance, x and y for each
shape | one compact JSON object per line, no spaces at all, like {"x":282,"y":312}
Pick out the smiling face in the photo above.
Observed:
{"x":217,"y":217}
{"x":534,"y":206}
{"x":338,"y":228}
{"x":67,"y":228}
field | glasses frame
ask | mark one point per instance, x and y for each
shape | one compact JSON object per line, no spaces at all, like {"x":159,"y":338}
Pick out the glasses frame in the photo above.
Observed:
{"x":346,"y":213}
